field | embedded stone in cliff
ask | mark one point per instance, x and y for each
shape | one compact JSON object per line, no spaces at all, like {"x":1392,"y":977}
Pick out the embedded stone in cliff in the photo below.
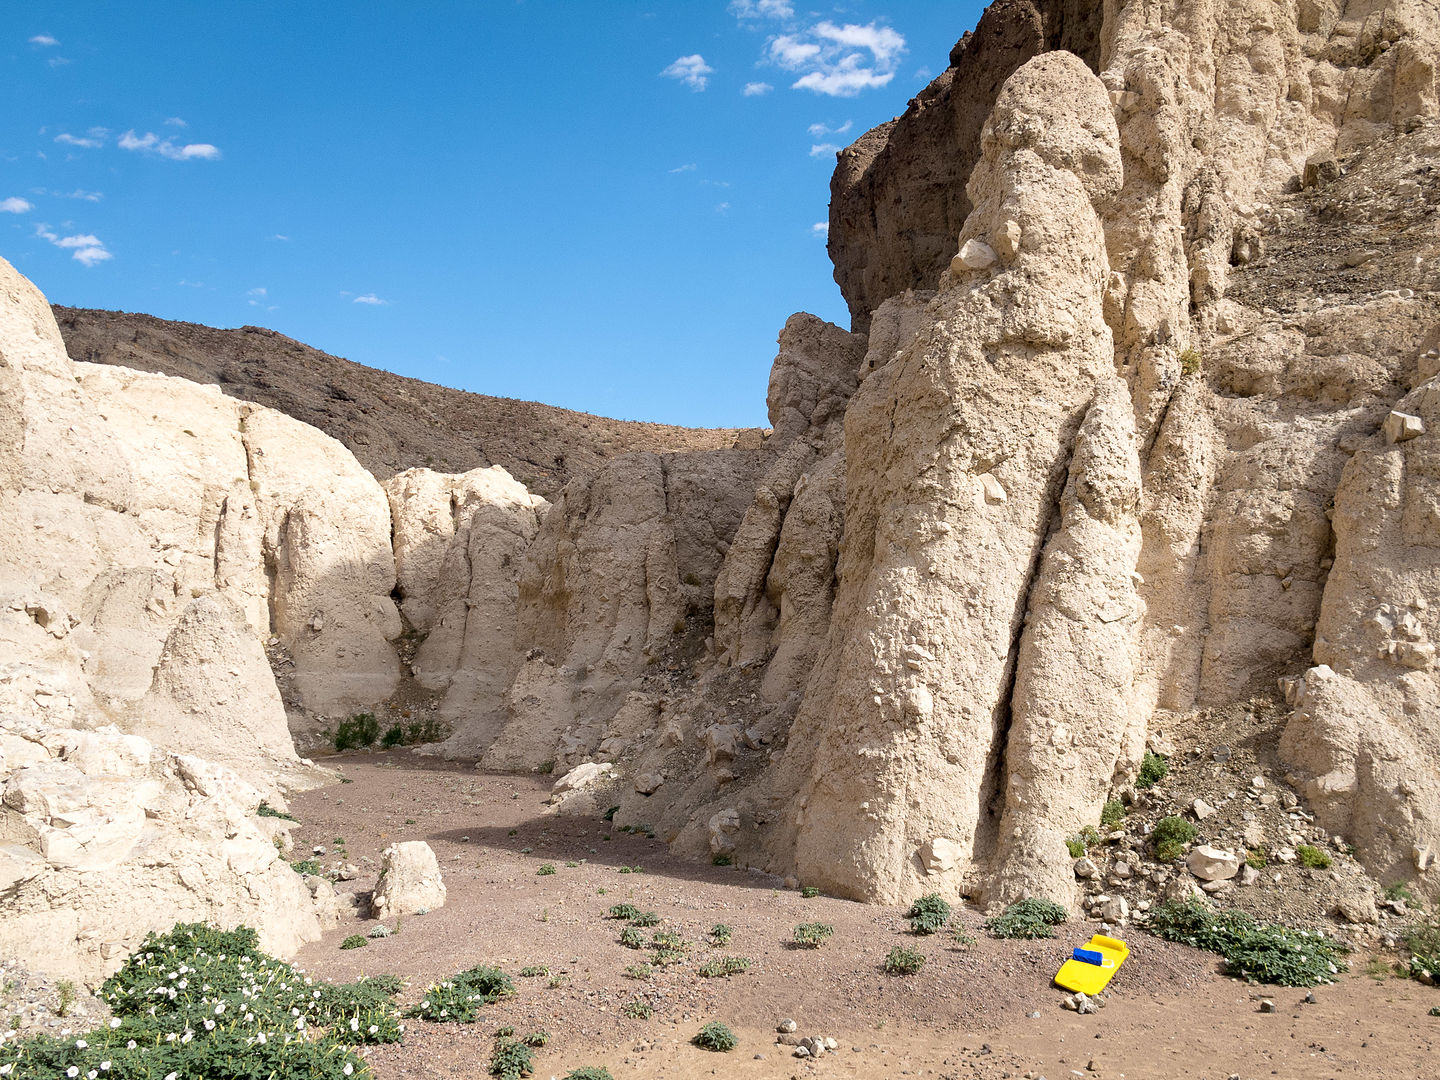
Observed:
{"x":1401,"y":427}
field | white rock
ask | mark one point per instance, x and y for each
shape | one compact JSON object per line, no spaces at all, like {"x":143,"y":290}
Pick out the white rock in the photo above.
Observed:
{"x":409,"y":881}
{"x":1400,"y":427}
{"x":1202,"y":809}
{"x":939,"y":855}
{"x":976,"y":255}
{"x":1212,"y":864}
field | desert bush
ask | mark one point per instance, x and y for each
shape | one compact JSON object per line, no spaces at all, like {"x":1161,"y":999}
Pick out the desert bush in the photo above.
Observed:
{"x":632,"y":938}
{"x":1399,"y":891}
{"x":903,"y":961}
{"x":928,"y":914}
{"x":589,"y":1072}
{"x":1170,"y":836}
{"x":354,"y":941}
{"x":266,"y":810}
{"x":1031,"y":918}
{"x":637,"y":1010}
{"x":207,"y":1004}
{"x":638,"y":971}
{"x":1153,"y":769}
{"x":811,"y":935}
{"x":715,"y":1036}
{"x":1312,"y":857}
{"x":459,"y":999}
{"x":645,"y":918}
{"x":1190,"y":360}
{"x":1255,"y":859}
{"x":534,"y":971}
{"x":723,"y":967}
{"x":427,"y":730}
{"x":1256,"y":952}
{"x":358,"y":732}
{"x":722,"y":860}
{"x":623,"y":911}
{"x":809,"y":892}
{"x":305,"y":866}
{"x":720,"y":934}
{"x":1422,"y":938}
{"x":1113,"y":814}
{"x":536,"y":1039}
{"x":546,"y":869}
{"x":511,"y":1060}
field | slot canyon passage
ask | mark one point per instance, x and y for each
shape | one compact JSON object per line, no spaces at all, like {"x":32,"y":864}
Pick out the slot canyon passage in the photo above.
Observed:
{"x":1094,"y":563}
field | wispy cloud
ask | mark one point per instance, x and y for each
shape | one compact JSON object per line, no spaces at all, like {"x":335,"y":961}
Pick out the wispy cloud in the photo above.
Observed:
{"x":690,"y":70}
{"x":256,"y":292}
{"x":821,"y":149}
{"x":81,"y":193}
{"x":370,"y":298}
{"x":280,"y":236}
{"x":16,"y":205}
{"x":762,"y":9}
{"x":721,"y":208}
{"x":154,"y":144}
{"x":821,"y":130}
{"x":684,"y":168}
{"x":190,"y":284}
{"x":175,"y":121}
{"x":89,"y":142}
{"x":85,"y":248}
{"x":58,"y":61}
{"x":820,"y":228}
{"x":838,"y":61}
{"x":756,"y":89}
{"x":43,"y":40}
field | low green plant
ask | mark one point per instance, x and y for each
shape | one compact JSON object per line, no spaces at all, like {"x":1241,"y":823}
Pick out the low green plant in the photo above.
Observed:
{"x":1399,"y":891}
{"x":546,"y":869}
{"x":305,"y":866}
{"x":928,"y":914}
{"x":722,"y":967}
{"x":354,"y":941}
{"x":639,"y":971}
{"x":722,"y":860}
{"x":511,"y":1059}
{"x":589,"y":1072}
{"x":637,"y":1009}
{"x":963,"y":940}
{"x":266,"y":810}
{"x":207,"y":1004}
{"x":1312,"y":857}
{"x":811,"y":935}
{"x":623,"y":911}
{"x":809,"y":892}
{"x":358,"y":732}
{"x":1256,"y":952}
{"x":1170,"y":836}
{"x":1422,"y":939}
{"x":505,"y":1032}
{"x":1153,"y":769}
{"x":632,"y":869}
{"x":459,"y":999}
{"x":1075,"y":846}
{"x":417,"y":732}
{"x":645,"y":918}
{"x":716,"y":1036}
{"x":1255,"y":859}
{"x":1030,"y":919}
{"x":667,"y":939}
{"x":631,"y":938}
{"x":571,"y":864}
{"x":666,"y":957}
{"x":609,"y":815}
{"x":1434,"y":1010}
{"x":557,"y":981}
{"x":534,"y":971}
{"x":65,"y":989}
{"x":1190,"y":360}
{"x":1113,"y":814}
{"x":720,"y":934}
{"x":536,"y":1039}
{"x":903,"y":961}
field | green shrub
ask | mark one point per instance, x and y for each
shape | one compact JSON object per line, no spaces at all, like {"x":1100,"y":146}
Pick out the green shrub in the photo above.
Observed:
{"x":1075,"y":846}
{"x":928,"y":914}
{"x":511,"y":1060}
{"x":459,"y":999}
{"x":667,"y":939}
{"x":1030,"y":918}
{"x":207,"y":1004}
{"x":534,"y":971}
{"x":632,"y":938}
{"x":305,"y":866}
{"x":589,"y":1072}
{"x":360,"y":731}
{"x":720,"y":934}
{"x":645,"y":918}
{"x":638,"y":971}
{"x":1190,"y":360}
{"x":536,"y":1039}
{"x":1399,"y":891}
{"x":964,"y":940}
{"x":546,"y":869}
{"x":724,"y":966}
{"x":715,"y":1036}
{"x":1312,"y":857}
{"x":903,"y":961}
{"x":1422,"y":938}
{"x":354,"y":941}
{"x":1153,"y":769}
{"x":1255,"y":859}
{"x":1170,"y":837}
{"x":722,"y":860}
{"x":637,"y":1010}
{"x":623,"y":911}
{"x":663,"y":957}
{"x":266,"y":810}
{"x":811,"y":935}
{"x":809,"y":892}
{"x":1113,"y":815}
{"x":505,"y":1032}
{"x":415,"y":733}
{"x":1256,"y":952}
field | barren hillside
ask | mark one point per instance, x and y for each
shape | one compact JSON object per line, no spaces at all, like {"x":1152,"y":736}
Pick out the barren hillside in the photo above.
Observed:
{"x":390,"y":423}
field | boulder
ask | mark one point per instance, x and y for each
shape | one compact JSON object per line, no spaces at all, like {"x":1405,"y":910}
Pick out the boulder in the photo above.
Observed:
{"x":409,"y":881}
{"x":1212,"y":864}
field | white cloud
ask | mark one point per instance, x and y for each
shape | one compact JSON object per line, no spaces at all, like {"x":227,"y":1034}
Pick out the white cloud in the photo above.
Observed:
{"x":684,"y":168}
{"x":756,"y":89}
{"x":819,"y":130}
{"x":838,"y":61}
{"x":81,"y":193}
{"x":15,"y":205}
{"x":821,"y":228}
{"x":821,"y":149}
{"x":88,"y":142}
{"x":762,"y":9}
{"x":175,"y":121}
{"x":256,"y":292}
{"x":369,"y":298}
{"x":57,"y":61}
{"x":280,"y":236}
{"x":720,"y":208}
{"x":86,"y":248}
{"x":690,"y":70}
{"x":152,"y":143}
{"x":43,"y":39}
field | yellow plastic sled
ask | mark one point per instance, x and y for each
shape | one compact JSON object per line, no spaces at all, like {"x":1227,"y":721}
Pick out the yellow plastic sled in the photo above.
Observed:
{"x":1092,"y":978}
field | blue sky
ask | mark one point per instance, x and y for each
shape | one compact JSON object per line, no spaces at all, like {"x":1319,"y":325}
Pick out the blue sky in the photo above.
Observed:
{"x":607,"y":206}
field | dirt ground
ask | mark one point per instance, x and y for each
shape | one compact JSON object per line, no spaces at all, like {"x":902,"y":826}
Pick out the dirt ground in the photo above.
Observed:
{"x":985,"y":1011}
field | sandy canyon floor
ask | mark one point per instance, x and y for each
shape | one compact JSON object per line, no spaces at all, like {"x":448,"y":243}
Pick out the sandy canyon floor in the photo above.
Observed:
{"x":985,"y":1011}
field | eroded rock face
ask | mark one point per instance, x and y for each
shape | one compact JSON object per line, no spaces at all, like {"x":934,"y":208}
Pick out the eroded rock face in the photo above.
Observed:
{"x":104,"y":837}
